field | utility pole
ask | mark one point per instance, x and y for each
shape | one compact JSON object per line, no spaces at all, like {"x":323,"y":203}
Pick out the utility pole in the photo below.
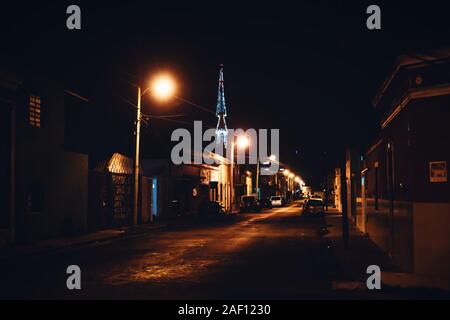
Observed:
{"x":326,"y":192}
{"x":233,"y":194}
{"x":257,"y":178}
{"x":136,"y":159}
{"x":345,"y":235}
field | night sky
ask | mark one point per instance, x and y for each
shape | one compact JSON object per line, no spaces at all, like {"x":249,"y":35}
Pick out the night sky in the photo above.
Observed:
{"x":310,"y":69}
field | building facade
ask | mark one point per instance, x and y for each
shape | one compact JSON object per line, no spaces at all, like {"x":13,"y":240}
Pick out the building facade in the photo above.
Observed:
{"x":43,"y":180}
{"x":404,"y":194}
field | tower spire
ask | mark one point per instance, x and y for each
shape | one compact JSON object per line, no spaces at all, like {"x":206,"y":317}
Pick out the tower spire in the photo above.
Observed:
{"x":221,"y":111}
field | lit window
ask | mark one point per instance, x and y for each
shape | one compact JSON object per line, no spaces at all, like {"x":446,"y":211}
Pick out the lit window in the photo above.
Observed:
{"x":34,"y":111}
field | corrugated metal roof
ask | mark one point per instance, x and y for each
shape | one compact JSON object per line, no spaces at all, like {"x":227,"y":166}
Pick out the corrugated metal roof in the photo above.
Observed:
{"x":117,"y":163}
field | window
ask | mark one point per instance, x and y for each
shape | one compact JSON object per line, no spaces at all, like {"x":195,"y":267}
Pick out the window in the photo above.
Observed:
{"x":314,"y":203}
{"x":247,"y":199}
{"x":34,"y":111}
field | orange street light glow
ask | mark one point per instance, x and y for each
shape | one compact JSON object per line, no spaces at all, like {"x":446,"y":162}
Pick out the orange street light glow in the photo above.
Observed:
{"x":163,"y":86}
{"x":242,"y":142}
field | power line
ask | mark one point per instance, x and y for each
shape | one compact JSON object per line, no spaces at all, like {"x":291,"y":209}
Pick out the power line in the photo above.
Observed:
{"x":195,"y":105}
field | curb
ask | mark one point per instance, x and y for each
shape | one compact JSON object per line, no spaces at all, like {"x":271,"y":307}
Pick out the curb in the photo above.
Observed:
{"x":36,"y":250}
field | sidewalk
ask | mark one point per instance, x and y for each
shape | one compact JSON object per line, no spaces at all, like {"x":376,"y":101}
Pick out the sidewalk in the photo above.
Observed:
{"x":360,"y":254}
{"x":332,"y":211}
{"x":98,"y":237}
{"x":363,"y":252}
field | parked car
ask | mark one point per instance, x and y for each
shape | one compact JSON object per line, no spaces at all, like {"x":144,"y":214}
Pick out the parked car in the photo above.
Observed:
{"x":249,"y":203}
{"x":314,"y":207}
{"x":316,"y":196}
{"x":304,"y":199}
{"x":276,"y":201}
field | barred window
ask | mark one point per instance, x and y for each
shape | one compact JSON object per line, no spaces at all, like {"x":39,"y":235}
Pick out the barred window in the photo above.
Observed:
{"x":34,"y":111}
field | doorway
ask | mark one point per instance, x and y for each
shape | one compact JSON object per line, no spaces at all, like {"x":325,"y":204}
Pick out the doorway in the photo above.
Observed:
{"x":390,"y":161}
{"x":363,"y":218}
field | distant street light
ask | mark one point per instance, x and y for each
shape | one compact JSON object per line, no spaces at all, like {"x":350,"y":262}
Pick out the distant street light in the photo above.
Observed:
{"x":162,"y":87}
{"x":242,"y":142}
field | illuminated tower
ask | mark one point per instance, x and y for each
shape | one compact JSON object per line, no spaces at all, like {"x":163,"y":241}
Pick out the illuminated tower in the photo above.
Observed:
{"x":221,"y":112}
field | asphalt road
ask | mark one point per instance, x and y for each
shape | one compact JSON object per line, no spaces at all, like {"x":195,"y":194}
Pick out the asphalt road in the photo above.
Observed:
{"x":275,"y":254}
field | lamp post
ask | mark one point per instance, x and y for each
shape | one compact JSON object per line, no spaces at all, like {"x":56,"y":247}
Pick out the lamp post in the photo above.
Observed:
{"x":257,"y":177}
{"x":242,"y":142}
{"x":136,"y":159}
{"x":286,"y":174}
{"x":163,"y":87}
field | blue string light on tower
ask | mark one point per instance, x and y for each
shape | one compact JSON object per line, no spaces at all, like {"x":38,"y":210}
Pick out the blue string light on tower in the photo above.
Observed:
{"x":221,"y":112}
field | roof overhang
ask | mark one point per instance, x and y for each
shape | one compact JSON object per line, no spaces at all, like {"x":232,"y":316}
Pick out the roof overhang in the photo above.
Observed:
{"x":411,"y":60}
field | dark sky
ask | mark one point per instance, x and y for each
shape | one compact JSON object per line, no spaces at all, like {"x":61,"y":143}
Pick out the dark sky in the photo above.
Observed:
{"x":309,"y":68}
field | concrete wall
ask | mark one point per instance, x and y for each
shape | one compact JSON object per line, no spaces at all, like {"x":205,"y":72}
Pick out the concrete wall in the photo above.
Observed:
{"x":432,"y":239}
{"x":392,"y":231}
{"x":146,"y":199}
{"x":337,"y":189}
{"x":411,"y":220}
{"x":44,"y":166}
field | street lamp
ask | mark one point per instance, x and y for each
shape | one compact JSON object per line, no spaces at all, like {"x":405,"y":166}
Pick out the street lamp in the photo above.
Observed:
{"x":242,"y":142}
{"x":162,"y":87}
{"x":291,"y":181}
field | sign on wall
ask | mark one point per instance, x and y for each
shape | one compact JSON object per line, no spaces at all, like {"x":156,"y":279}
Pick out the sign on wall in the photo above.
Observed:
{"x":204,"y":176}
{"x":438,"y":171}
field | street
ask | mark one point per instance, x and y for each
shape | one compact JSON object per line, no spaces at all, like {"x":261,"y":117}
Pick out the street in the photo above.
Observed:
{"x":224,"y":152}
{"x":273,"y":254}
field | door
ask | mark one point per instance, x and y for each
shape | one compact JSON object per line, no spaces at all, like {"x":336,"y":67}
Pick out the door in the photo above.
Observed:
{"x":363,"y":221}
{"x":146,"y":197}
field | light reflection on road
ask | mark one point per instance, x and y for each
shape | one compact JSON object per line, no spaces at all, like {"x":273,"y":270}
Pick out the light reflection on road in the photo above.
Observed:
{"x":187,"y":257}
